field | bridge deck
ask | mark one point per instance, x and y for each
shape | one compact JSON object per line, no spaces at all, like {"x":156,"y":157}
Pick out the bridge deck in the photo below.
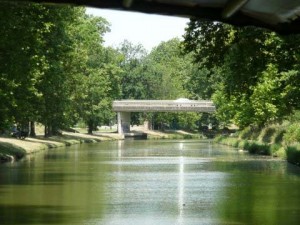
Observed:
{"x":163,"y":106}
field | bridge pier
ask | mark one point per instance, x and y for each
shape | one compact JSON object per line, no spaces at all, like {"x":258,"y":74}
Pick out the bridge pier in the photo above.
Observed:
{"x":124,"y":119}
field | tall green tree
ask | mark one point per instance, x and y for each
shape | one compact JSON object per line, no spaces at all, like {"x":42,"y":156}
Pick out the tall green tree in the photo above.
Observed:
{"x":21,"y":32}
{"x":172,"y":73}
{"x":253,"y":70}
{"x":133,"y":79}
{"x":56,"y":51}
{"x":97,"y":79}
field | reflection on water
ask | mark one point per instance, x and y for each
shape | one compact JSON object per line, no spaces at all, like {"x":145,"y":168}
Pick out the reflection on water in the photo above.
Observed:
{"x":149,"y":182}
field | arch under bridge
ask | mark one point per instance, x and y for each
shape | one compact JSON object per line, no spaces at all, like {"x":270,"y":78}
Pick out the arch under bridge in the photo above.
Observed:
{"x":125,"y":107}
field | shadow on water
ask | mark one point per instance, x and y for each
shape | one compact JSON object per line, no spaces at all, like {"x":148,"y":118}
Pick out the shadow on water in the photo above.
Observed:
{"x":260,"y":192}
{"x":149,"y":182}
{"x":31,"y":214}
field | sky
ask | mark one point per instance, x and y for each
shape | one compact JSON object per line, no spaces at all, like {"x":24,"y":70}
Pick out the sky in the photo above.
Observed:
{"x":139,"y":28}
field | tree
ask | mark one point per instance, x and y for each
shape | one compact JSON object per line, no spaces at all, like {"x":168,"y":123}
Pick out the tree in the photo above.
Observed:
{"x":20,"y":35}
{"x":253,"y":69}
{"x":97,"y":78}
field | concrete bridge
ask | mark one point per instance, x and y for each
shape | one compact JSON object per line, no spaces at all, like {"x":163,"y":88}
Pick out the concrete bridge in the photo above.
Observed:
{"x":125,"y":107}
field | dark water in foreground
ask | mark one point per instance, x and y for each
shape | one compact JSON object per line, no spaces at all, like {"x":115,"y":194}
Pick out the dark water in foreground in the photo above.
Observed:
{"x":149,"y":182}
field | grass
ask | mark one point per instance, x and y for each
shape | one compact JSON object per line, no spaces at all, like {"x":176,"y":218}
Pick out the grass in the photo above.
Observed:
{"x":14,"y":149}
{"x":9,"y":152}
{"x":275,"y":140}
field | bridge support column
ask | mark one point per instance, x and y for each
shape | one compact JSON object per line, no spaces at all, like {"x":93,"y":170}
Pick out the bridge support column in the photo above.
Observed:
{"x":124,"y":119}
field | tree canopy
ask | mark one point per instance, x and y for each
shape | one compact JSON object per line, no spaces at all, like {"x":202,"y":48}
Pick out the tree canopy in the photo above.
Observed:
{"x":55,"y":70}
{"x":54,"y":67}
{"x":253,"y":70}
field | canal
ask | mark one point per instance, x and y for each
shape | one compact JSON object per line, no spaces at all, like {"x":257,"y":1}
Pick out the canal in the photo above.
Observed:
{"x":149,"y":182}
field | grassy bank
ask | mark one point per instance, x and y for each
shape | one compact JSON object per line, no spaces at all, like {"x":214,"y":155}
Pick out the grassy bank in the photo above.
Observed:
{"x":275,"y":140}
{"x":13,"y":149}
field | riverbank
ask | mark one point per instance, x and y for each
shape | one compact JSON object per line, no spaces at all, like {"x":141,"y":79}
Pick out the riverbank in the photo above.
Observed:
{"x":13,"y":149}
{"x":167,"y":134}
{"x":281,"y":141}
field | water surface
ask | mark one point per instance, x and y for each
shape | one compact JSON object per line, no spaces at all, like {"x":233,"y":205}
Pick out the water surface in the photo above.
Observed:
{"x":149,"y":182}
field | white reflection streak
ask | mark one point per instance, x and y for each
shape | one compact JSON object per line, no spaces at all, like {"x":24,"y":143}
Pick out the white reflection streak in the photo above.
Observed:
{"x":181,"y":203}
{"x":120,"y":147}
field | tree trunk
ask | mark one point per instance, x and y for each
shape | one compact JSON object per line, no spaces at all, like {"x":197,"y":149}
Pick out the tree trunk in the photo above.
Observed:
{"x":90,"y":127}
{"x":32,"y":129}
{"x":48,"y":130}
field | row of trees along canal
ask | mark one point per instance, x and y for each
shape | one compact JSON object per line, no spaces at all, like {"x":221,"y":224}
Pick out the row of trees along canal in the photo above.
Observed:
{"x":55,"y":70}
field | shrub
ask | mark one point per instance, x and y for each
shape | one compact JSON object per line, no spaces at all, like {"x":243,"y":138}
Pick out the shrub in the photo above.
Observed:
{"x":234,"y":142}
{"x":243,"y":144}
{"x":258,"y":148}
{"x":274,"y":148}
{"x":252,"y":148}
{"x":187,"y":136}
{"x":281,"y":152}
{"x":292,"y":134}
{"x":293,"y":154}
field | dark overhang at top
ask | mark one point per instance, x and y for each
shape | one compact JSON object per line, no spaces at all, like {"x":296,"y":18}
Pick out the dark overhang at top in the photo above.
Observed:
{"x":281,"y":16}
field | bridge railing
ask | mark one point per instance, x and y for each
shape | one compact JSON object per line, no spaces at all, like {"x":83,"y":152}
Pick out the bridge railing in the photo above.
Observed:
{"x":162,"y":105}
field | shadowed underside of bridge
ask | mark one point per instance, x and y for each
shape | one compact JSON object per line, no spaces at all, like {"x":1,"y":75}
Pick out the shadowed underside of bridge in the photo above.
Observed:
{"x":125,"y":107}
{"x":278,"y":15}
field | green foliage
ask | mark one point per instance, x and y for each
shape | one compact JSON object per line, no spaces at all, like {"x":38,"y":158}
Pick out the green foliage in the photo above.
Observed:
{"x":293,"y":154}
{"x":292,"y":134}
{"x":274,"y":148}
{"x":256,"y":72}
{"x":249,"y":133}
{"x":258,"y":148}
{"x":267,"y":134}
{"x":165,"y":73}
{"x":272,"y":134}
{"x":278,"y":136}
{"x":136,"y":83}
{"x":51,"y":60}
{"x":203,"y":36}
{"x":56,"y":71}
{"x":243,"y":144}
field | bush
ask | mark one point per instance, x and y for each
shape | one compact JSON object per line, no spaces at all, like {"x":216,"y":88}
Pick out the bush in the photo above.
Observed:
{"x":281,"y":152}
{"x":218,"y":139}
{"x":234,"y":142}
{"x":243,"y":144}
{"x":274,"y":148}
{"x":293,"y":154}
{"x":292,"y":134}
{"x":187,"y":136}
{"x":258,"y":148}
